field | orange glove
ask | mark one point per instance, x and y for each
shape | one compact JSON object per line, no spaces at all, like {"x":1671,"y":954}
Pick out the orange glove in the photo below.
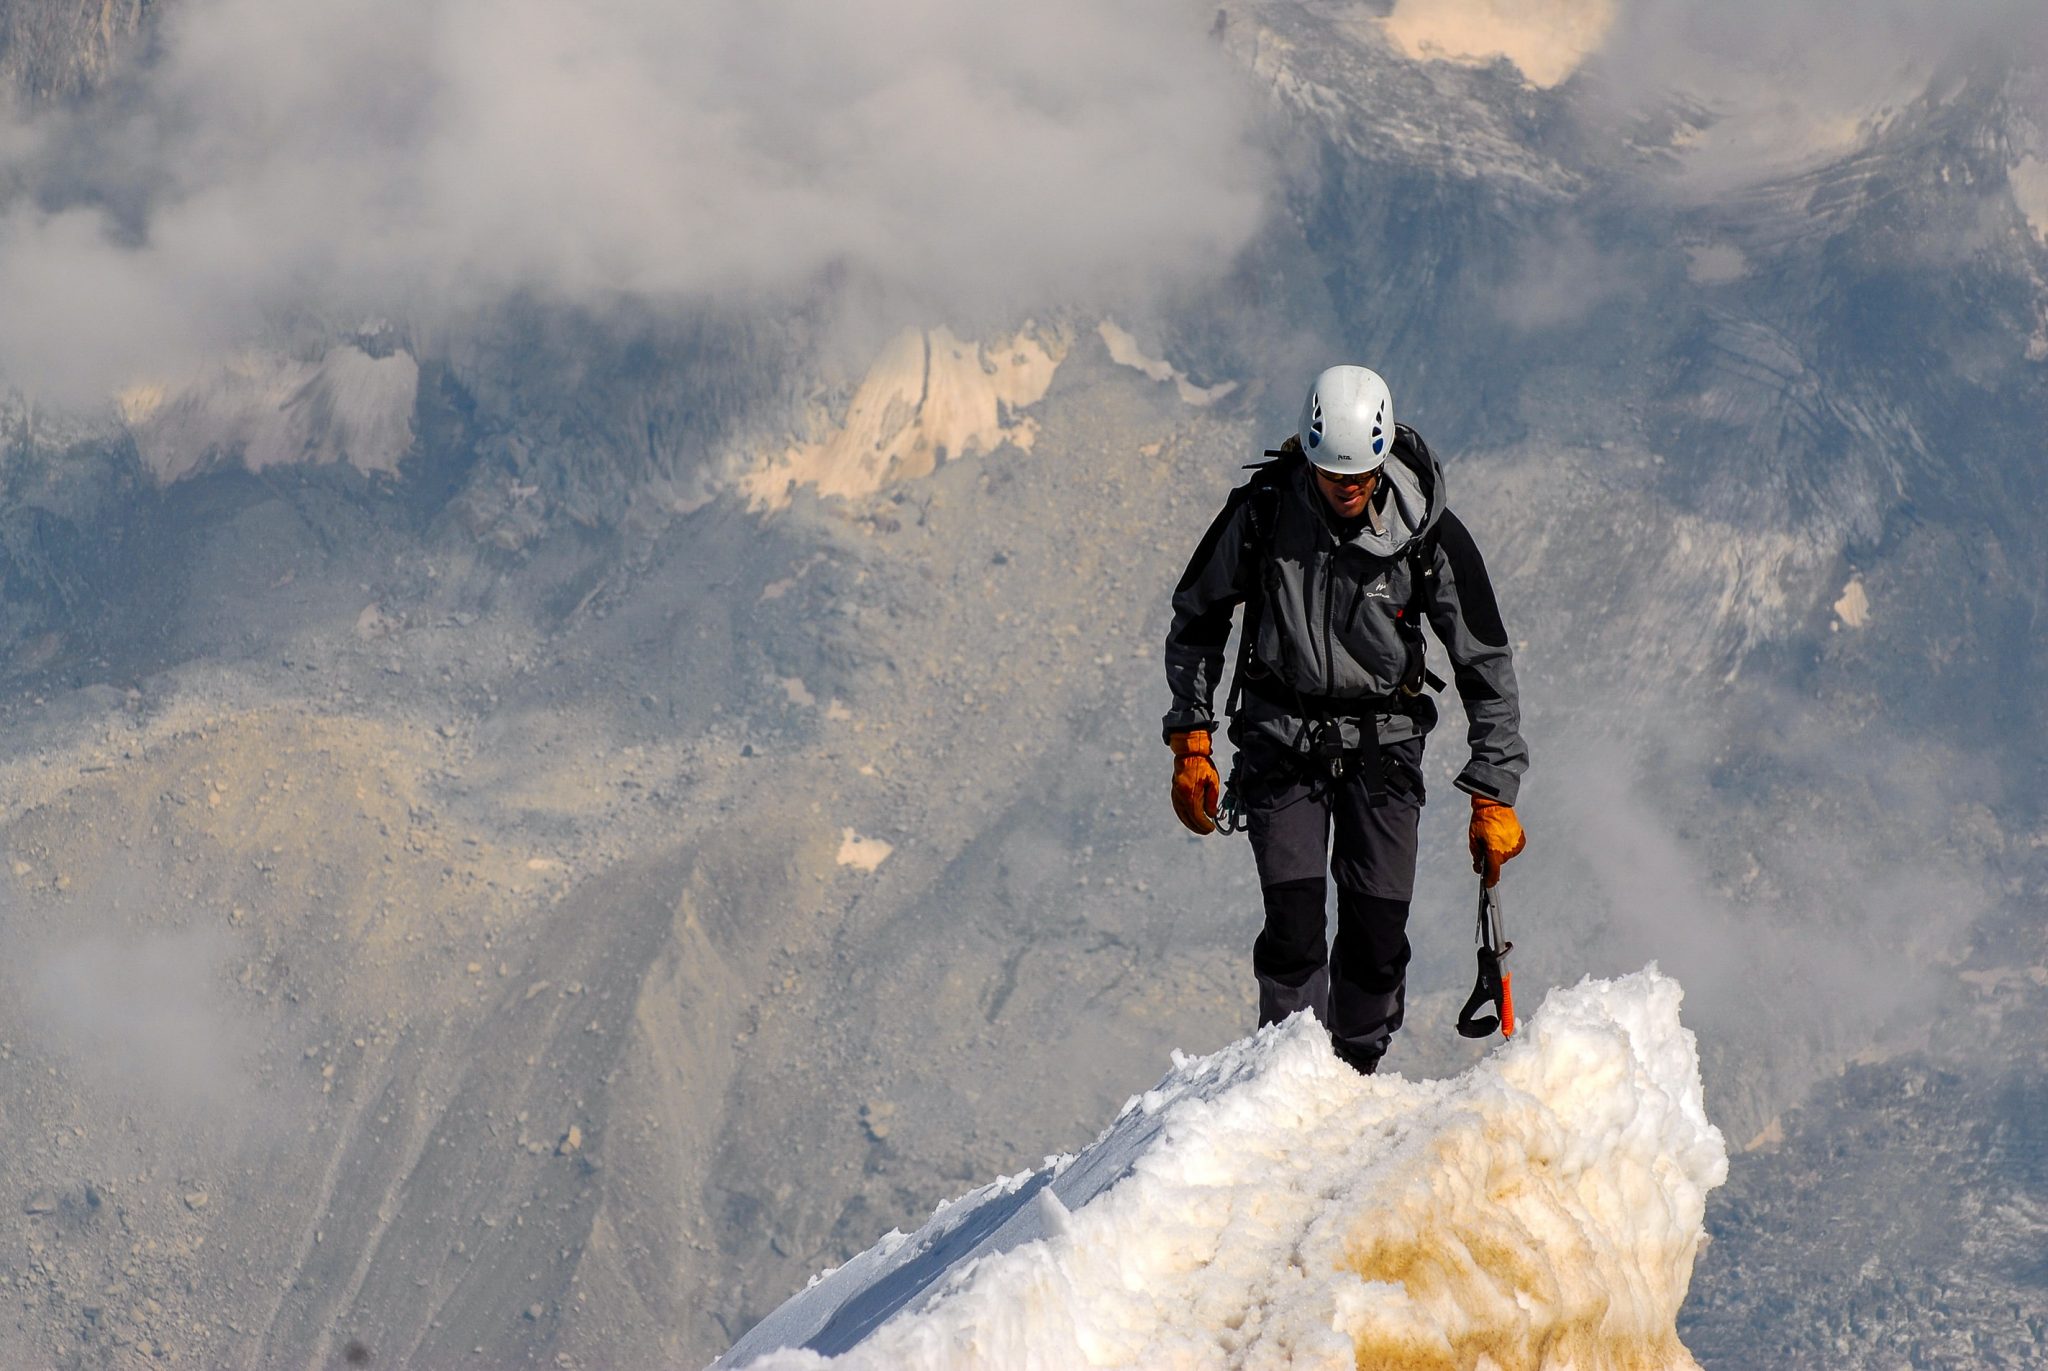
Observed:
{"x":1496,"y":836}
{"x":1195,"y":786}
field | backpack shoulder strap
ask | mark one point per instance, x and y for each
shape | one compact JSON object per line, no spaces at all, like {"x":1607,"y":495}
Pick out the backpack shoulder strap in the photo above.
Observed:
{"x":1262,"y":495}
{"x":1421,"y":559}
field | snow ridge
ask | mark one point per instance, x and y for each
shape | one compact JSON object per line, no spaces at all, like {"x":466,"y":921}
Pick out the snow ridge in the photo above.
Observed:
{"x":1264,"y":1207}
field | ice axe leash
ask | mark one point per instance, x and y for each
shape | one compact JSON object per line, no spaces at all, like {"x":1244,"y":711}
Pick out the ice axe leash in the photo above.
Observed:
{"x":1495,"y":986}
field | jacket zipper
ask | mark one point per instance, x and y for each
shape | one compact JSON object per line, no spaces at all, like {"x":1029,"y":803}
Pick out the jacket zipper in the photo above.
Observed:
{"x":1329,"y":650}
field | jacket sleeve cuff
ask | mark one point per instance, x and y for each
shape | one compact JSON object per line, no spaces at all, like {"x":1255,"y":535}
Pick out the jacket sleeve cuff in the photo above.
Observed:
{"x":1495,"y":784}
{"x":1184,"y":721}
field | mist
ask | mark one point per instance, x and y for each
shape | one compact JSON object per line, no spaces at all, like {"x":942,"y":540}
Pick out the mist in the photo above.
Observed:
{"x":272,"y":162}
{"x":262,"y":169}
{"x":1782,"y":86}
{"x":142,"y":1015}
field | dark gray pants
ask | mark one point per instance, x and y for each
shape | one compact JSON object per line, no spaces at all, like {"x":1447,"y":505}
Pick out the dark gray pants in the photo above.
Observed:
{"x":1355,"y":987}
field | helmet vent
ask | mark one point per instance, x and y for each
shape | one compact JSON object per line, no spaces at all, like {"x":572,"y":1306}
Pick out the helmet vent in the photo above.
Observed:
{"x":1315,"y":422}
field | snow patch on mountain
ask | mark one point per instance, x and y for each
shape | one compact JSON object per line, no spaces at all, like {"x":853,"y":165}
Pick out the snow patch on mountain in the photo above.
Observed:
{"x":1265,"y":1206}
{"x":1853,"y":608}
{"x":928,"y":397}
{"x":1545,"y":39}
{"x":862,"y":854}
{"x":266,"y":409}
{"x":1126,"y":351}
{"x":1715,"y":264}
{"x":2030,"y":193}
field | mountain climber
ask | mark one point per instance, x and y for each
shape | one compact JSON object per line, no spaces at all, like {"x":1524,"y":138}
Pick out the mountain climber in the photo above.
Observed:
{"x":1339,"y":549}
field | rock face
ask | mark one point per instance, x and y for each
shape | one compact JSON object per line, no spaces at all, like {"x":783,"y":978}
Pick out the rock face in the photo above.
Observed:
{"x":366,"y":833}
{"x":51,"y":52}
{"x":264,"y":411}
{"x":928,"y":396}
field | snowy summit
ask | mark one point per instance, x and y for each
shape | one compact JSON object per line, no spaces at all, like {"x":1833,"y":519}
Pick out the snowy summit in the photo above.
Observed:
{"x":1269,"y":1207}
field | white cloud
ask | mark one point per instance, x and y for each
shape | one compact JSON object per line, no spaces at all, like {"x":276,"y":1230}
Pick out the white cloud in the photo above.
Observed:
{"x":143,"y":1013}
{"x":1787,"y":85}
{"x":426,"y":157}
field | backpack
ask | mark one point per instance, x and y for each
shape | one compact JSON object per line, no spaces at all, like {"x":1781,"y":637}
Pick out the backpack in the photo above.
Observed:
{"x":1262,"y":494}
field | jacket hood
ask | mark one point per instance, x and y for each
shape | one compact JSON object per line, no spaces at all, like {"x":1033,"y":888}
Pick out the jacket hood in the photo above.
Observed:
{"x":1415,"y":497}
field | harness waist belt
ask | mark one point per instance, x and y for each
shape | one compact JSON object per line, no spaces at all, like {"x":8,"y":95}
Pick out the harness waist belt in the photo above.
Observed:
{"x":1269,"y":688}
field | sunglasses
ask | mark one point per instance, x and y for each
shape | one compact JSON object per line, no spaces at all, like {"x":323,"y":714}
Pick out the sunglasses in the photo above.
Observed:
{"x":1338,"y":478}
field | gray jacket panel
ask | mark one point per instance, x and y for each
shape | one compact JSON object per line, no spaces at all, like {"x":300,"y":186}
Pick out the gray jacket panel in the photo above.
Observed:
{"x":1331,"y":625}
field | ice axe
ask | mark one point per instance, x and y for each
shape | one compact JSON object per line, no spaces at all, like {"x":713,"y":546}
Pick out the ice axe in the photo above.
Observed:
{"x":1495,"y":986}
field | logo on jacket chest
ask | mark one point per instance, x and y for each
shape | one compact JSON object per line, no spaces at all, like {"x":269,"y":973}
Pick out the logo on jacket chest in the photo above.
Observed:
{"x":1379,"y":590}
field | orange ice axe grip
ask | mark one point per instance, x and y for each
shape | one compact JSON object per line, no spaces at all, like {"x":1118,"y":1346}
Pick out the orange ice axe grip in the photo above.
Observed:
{"x":1494,"y":986}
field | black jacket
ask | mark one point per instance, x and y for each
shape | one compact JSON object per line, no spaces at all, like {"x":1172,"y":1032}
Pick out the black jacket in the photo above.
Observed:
{"x":1330,"y":629}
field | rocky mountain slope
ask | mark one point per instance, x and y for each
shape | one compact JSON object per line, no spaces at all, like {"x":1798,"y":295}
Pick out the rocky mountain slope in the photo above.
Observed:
{"x":55,"y":52}
{"x":554,"y":897}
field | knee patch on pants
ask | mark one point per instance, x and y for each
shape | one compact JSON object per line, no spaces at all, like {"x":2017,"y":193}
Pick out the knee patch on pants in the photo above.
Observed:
{"x":1372,"y":941}
{"x":1292,"y":945}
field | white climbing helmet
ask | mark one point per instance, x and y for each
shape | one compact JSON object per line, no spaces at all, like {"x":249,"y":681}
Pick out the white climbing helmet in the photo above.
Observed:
{"x":1347,"y":421}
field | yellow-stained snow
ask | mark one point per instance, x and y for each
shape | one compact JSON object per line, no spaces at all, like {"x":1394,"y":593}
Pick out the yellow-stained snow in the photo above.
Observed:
{"x":1505,"y":1240}
{"x":929,"y":397}
{"x":1266,"y":1207}
{"x":1545,"y":39}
